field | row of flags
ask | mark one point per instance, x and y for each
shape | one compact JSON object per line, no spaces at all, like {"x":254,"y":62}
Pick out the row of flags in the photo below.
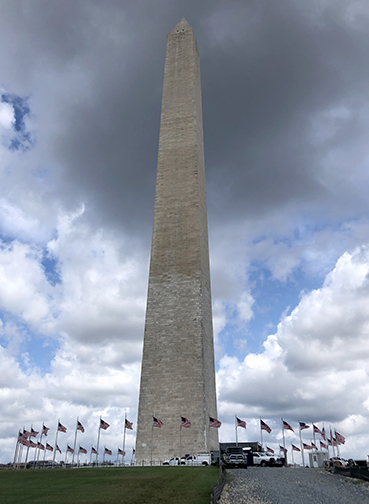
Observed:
{"x":335,"y":440}
{"x":331,"y":440}
{"x":24,"y":439}
{"x":185,"y":423}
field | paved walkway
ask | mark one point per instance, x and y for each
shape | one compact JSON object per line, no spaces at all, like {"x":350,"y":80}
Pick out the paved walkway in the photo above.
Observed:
{"x":289,"y":485}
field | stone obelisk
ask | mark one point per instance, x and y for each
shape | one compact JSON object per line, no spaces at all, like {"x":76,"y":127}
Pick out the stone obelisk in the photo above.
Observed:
{"x":178,"y":374}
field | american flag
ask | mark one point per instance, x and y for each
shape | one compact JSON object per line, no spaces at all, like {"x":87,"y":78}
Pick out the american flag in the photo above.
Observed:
{"x":45,"y":430}
{"x":295,"y":448}
{"x":129,"y":425}
{"x":270,"y":450}
{"x":340,"y":438}
{"x":40,"y":445}
{"x":287,"y":426}
{"x":80,"y":426}
{"x":185,"y":422}
{"x":282,"y":448}
{"x":82,"y":450}
{"x":107,"y":451}
{"x":264,"y":426}
{"x":156,"y":422}
{"x":61,"y":428}
{"x":121,"y":452}
{"x":313,"y":445}
{"x":31,"y":444}
{"x":329,"y":441}
{"x":93,"y":450}
{"x":316,"y":430}
{"x":322,"y":445}
{"x":26,"y":433}
{"x":307,"y":446}
{"x":33,"y":432}
{"x":213,"y":422}
{"x":69,"y":449}
{"x":323,"y":434}
{"x":57,"y":449}
{"x":103,"y":425}
{"x":240,"y":423}
{"x":133,"y":451}
{"x":303,"y":425}
{"x":49,"y":447}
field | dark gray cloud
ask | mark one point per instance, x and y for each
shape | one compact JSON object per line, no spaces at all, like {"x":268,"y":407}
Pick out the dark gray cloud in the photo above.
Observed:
{"x":267,"y":71}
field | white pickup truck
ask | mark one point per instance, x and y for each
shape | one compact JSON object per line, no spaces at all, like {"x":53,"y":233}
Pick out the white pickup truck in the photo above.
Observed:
{"x":201,"y":459}
{"x":174,"y":461}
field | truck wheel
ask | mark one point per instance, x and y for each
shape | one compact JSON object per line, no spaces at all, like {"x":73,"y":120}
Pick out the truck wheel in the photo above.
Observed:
{"x":205,"y":464}
{"x":262,"y":463}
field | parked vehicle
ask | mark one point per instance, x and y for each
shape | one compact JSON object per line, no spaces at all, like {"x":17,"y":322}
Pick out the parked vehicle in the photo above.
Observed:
{"x":215,"y":457}
{"x":174,"y":461}
{"x":234,"y":457}
{"x":201,"y":459}
{"x":263,"y":459}
{"x":266,"y":459}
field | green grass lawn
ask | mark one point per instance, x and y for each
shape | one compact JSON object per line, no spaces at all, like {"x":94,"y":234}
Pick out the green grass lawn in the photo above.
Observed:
{"x":130,"y":485}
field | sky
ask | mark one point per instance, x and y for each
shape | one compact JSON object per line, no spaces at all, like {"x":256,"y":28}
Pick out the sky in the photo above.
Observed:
{"x":285,"y":90}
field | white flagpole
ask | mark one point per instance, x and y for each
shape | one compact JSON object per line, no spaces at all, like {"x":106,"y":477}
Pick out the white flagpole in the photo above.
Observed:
{"x":124,"y":439}
{"x":20,"y":454}
{"x":75,"y":440}
{"x":338,"y":446}
{"x":293,"y":460}
{"x":39,"y":446}
{"x":56,"y":441}
{"x":180,"y":439}
{"x":152,"y":435}
{"x":331,"y":436}
{"x":235,"y":422}
{"x":98,"y":442}
{"x":25,"y":462}
{"x":16,"y":451}
{"x":302,"y":449}
{"x":261,"y":435}
{"x":284,"y":443}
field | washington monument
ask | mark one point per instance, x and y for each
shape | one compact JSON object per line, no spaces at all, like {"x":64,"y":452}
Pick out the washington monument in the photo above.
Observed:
{"x":178,"y":374}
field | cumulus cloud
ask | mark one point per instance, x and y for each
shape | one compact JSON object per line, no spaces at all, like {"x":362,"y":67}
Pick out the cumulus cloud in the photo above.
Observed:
{"x":318,"y":356}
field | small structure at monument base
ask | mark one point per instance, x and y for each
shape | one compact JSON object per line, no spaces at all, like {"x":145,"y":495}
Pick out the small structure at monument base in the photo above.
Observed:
{"x":255,"y":446}
{"x":318,"y":458}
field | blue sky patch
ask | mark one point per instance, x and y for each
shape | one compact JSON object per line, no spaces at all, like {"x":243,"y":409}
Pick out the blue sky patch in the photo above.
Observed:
{"x":22,"y":139}
{"x":273,"y":299}
{"x":51,"y":268}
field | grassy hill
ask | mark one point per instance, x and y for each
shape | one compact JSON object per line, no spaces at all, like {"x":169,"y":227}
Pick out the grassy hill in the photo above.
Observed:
{"x":130,"y":485}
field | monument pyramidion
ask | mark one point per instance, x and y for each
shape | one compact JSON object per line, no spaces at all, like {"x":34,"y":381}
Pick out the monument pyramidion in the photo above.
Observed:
{"x":178,"y":374}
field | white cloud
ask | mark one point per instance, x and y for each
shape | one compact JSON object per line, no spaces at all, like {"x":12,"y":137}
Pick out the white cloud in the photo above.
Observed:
{"x":317,"y":362}
{"x":23,"y":287}
{"x":6,"y":116}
